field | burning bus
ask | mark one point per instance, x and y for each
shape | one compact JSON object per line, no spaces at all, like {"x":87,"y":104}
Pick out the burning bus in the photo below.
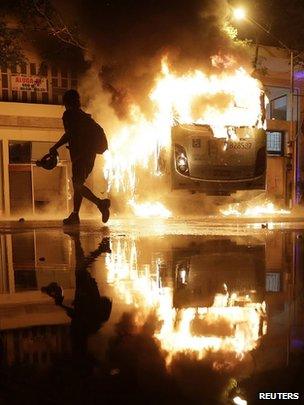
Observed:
{"x":218,"y":166}
{"x":206,"y":134}
{"x":218,"y":138}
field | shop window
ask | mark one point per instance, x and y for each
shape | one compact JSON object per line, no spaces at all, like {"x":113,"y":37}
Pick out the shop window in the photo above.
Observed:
{"x":5,"y":95}
{"x":275,"y":143}
{"x":33,"y":97}
{"x":43,"y":69}
{"x":278,"y":108}
{"x":45,"y":98}
{"x":4,"y":81}
{"x":33,"y":69}
{"x":64,"y":83}
{"x":23,"y":68}
{"x":19,"y":152}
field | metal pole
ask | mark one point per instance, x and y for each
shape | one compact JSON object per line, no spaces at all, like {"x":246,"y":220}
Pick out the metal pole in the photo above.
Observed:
{"x":293,"y":135}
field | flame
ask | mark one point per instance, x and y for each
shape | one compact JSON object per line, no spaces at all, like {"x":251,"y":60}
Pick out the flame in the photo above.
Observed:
{"x":142,"y":288}
{"x":268,"y":208}
{"x":218,"y":100}
{"x":150,"y":209}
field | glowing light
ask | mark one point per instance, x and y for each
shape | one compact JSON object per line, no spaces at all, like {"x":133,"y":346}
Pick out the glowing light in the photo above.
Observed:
{"x":150,"y":209}
{"x":231,"y":325}
{"x":239,"y":401}
{"x":239,"y":13}
{"x":268,"y":208}
{"x":218,"y":100}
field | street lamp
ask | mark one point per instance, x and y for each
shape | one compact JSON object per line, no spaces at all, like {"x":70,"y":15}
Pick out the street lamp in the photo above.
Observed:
{"x":239,"y":13}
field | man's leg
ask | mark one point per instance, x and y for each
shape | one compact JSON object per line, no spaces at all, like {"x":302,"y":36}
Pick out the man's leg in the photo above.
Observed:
{"x":77,"y":199}
{"x":102,"y":205}
{"x":89,"y":195}
{"x":73,"y":218}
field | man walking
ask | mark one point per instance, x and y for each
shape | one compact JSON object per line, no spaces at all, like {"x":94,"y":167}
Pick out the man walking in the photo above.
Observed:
{"x":83,"y":154}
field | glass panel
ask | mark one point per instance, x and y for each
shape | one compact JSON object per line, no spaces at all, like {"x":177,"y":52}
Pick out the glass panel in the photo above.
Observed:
{"x":275,"y":143}
{"x":278,"y":108}
{"x":33,"y":97}
{"x":5,"y":95}
{"x":273,"y":282}
{"x":23,"y":68}
{"x":24,"y":261}
{"x":19,"y":152}
{"x":20,"y":182}
{"x":4,"y":81}
{"x":33,"y":68}
{"x":50,"y":191}
{"x":45,"y":98}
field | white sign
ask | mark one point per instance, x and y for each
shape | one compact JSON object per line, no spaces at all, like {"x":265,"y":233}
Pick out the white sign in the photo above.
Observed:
{"x":28,"y":83}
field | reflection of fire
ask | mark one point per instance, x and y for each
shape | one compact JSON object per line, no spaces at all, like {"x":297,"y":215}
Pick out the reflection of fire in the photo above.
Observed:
{"x":267,"y":208}
{"x":218,"y":100}
{"x":233,"y":324}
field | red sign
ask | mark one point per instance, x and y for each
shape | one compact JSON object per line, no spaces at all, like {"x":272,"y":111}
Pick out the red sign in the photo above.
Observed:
{"x":28,"y":83}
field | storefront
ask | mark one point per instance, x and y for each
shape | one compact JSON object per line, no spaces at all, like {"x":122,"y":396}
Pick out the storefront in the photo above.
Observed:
{"x":27,"y":131}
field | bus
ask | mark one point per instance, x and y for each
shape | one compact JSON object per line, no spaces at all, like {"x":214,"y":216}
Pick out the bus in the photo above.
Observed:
{"x":201,"y":162}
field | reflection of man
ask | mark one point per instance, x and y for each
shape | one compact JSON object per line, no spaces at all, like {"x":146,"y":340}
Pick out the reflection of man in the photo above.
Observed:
{"x":83,"y":154}
{"x":90,"y":310}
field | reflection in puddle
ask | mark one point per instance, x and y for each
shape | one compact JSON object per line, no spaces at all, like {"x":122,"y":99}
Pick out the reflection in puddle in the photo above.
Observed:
{"x":232,"y":323}
{"x":199,"y":310}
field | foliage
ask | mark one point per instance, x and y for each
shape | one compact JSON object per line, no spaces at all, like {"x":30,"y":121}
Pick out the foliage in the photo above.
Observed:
{"x":38,"y":22}
{"x":10,"y":50}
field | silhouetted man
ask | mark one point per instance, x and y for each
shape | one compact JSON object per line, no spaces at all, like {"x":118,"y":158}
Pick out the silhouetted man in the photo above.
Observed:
{"x":82,"y":154}
{"x":90,"y":310}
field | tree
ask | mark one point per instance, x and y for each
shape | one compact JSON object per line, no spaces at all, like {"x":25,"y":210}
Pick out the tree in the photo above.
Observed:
{"x":38,"y":22}
{"x":10,"y":50}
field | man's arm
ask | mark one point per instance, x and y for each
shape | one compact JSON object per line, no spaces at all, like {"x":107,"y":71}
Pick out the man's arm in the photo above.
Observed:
{"x":64,"y":139}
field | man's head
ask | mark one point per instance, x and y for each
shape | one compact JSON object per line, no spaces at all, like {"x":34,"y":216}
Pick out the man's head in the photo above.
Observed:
{"x":71,"y":99}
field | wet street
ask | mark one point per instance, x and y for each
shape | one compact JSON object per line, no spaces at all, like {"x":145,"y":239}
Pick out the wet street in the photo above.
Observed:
{"x":197,"y":312}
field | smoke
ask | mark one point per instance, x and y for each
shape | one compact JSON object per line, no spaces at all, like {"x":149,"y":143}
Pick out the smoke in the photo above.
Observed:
{"x":126,"y":42}
{"x":127,"y":39}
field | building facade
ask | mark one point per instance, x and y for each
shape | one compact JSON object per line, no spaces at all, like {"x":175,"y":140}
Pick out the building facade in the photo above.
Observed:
{"x":285,"y":166}
{"x":30,"y":123}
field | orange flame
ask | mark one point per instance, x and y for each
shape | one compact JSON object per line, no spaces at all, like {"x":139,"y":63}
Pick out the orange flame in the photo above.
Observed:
{"x":217,"y":100}
{"x":141,"y":287}
{"x":267,"y":208}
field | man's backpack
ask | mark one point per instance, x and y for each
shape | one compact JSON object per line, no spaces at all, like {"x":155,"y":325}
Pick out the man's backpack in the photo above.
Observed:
{"x":95,"y":136}
{"x":99,"y":138}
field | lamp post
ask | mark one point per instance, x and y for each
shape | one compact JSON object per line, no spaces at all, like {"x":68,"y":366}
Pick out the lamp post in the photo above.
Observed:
{"x":240,"y":14}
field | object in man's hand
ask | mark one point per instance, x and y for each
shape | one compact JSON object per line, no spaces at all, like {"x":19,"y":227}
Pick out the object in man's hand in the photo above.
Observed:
{"x":48,"y":161}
